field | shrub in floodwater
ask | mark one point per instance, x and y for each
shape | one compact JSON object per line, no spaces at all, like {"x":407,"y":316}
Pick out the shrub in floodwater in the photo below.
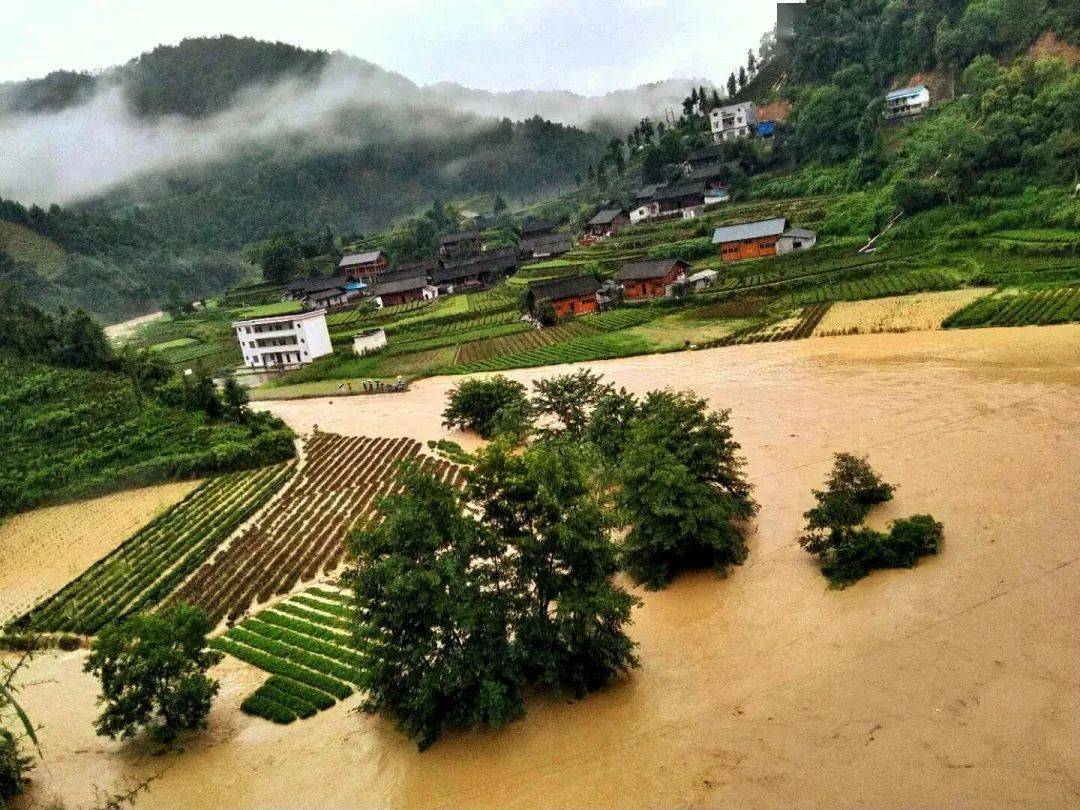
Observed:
{"x":848,"y":551}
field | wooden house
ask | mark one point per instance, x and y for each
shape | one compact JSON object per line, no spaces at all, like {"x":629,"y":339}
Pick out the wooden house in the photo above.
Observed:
{"x":478,"y":269}
{"x":545,"y":246}
{"x":534,"y":227}
{"x":767,"y":237}
{"x":461,"y":243}
{"x":574,"y":295}
{"x":650,"y":279}
{"x":749,"y":240}
{"x":681,"y":196}
{"x":364,"y":266}
{"x":405,"y":283}
{"x":606,"y":223}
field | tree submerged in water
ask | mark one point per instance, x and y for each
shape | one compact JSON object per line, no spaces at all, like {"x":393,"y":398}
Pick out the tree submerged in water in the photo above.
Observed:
{"x":849,"y":551}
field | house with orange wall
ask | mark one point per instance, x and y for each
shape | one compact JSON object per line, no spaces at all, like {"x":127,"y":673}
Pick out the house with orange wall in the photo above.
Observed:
{"x":575,"y":295}
{"x":650,"y":279}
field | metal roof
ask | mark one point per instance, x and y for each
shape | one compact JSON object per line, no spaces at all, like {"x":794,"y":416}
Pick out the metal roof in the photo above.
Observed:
{"x":905,"y":91}
{"x":360,"y":258}
{"x":652,"y":268}
{"x":749,"y":230}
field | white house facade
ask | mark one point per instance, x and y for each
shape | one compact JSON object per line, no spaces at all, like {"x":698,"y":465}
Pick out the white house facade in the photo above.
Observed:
{"x":907,"y":101}
{"x":733,"y":122}
{"x":283,"y":340}
{"x":369,"y":341}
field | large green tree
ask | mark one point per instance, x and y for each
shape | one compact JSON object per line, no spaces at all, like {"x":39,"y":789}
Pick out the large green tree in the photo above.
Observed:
{"x":436,"y":595}
{"x":683,"y":490}
{"x":152,"y":668}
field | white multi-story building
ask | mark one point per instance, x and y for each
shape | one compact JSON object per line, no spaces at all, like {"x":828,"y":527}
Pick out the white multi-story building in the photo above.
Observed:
{"x":907,"y":101}
{"x":732,"y":122}
{"x":284,"y":340}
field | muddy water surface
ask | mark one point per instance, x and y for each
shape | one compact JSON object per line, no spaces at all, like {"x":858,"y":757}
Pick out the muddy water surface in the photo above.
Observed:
{"x":953,"y":684}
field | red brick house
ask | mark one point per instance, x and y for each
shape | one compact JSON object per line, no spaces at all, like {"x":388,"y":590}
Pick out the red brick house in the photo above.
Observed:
{"x":575,"y":295}
{"x":650,"y":279}
{"x":364,"y":266}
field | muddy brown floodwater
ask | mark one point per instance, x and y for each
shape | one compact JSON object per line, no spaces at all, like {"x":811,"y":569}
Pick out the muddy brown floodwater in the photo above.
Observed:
{"x":952,"y":684}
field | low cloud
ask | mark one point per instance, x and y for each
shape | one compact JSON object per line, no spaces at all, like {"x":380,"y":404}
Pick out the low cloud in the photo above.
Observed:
{"x":87,"y":149}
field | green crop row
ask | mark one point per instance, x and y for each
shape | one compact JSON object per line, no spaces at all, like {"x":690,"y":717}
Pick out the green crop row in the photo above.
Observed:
{"x":876,"y":286}
{"x":297,"y":655}
{"x":335,"y":596}
{"x":315,"y":617}
{"x":305,"y":627}
{"x":575,"y":350}
{"x":333,"y":650}
{"x":277,"y":665}
{"x":336,"y":609}
{"x":145,"y":568}
{"x":1043,"y":307}
{"x":620,"y":318}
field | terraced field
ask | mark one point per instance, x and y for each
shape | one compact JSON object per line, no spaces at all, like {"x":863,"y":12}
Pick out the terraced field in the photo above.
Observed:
{"x":585,"y":347}
{"x":301,"y":534}
{"x":147,"y":567}
{"x":519,"y":342}
{"x":1029,"y":308}
{"x":306,"y":644}
{"x":878,"y":286}
{"x":798,"y":326}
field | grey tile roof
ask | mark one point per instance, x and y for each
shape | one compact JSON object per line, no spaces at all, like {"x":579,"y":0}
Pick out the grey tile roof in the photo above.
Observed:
{"x":606,"y":216}
{"x":313,"y":284}
{"x":360,"y":258}
{"x":567,"y":287}
{"x":651,"y":268}
{"x":749,"y":230}
{"x":548,"y":243}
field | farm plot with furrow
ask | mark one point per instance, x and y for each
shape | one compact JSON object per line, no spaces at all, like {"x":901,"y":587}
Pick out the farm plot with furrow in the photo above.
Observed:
{"x":302,"y":532}
{"x":148,"y":566}
{"x":306,"y":643}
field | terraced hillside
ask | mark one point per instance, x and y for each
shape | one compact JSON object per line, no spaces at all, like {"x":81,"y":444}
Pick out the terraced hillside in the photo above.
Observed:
{"x":302,"y":532}
{"x":146,"y":568}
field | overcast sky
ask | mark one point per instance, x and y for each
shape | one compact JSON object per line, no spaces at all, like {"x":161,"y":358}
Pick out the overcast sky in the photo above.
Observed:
{"x":589,"y":46}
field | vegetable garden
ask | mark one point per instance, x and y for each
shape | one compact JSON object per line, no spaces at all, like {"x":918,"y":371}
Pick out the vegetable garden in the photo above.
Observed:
{"x":307,"y":646}
{"x":148,"y":566}
{"x":1041,"y":307}
{"x":302,"y":532}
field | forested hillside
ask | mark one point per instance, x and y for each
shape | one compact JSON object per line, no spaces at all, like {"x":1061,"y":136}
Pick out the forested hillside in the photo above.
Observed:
{"x":78,"y":419}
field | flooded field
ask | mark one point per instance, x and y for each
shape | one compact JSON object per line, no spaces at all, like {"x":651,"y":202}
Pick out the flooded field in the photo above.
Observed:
{"x":43,"y":550}
{"x":952,"y":684}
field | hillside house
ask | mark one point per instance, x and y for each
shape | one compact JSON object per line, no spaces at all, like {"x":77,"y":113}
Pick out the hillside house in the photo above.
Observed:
{"x":326,"y":299}
{"x":607,"y":222}
{"x":710,"y":155}
{"x":646,"y":206}
{"x":533,"y":228}
{"x":573,"y":295}
{"x":652,"y":278}
{"x":482,"y":268}
{"x":733,"y":122}
{"x":283,"y":340}
{"x":701,"y":280}
{"x":750,"y":240}
{"x":795,"y":239}
{"x":298,"y":289}
{"x":547,"y":245}
{"x":406,"y":283}
{"x":364,"y":266}
{"x":369,"y":341}
{"x":907,"y":102}
{"x":461,"y":243}
{"x":677,"y":197}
